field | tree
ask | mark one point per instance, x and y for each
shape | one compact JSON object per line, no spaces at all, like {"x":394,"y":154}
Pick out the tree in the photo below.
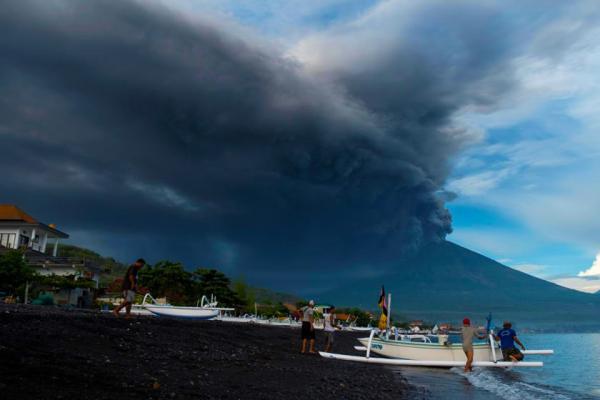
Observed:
{"x":210,"y":281}
{"x":111,"y":268}
{"x":362,"y":317}
{"x":65,"y":282}
{"x":246,"y":296}
{"x":14,"y":271}
{"x":170,"y":279}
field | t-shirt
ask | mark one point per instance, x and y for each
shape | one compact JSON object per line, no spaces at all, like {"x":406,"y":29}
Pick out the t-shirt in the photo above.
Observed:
{"x":327,"y":322}
{"x":507,"y":338}
{"x":131,"y":271}
{"x":307,"y":313}
{"x":468,"y":332}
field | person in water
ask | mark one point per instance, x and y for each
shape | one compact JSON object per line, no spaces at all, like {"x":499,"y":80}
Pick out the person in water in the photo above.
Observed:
{"x":468,"y":333}
{"x":507,"y":338}
{"x":129,"y":287}
{"x":308,"y":327}
{"x":329,"y":327}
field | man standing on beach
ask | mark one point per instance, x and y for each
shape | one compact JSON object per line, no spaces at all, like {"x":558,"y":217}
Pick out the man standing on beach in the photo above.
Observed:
{"x":308,"y":327}
{"x":468,"y":333}
{"x":129,"y":287}
{"x":329,"y":327}
{"x":507,"y":337}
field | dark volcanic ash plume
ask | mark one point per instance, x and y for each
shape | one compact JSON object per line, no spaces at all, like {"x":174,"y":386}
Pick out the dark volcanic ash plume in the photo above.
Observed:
{"x":144,"y":133}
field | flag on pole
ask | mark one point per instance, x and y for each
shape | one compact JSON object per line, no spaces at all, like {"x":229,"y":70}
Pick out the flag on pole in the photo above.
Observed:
{"x":384,"y":312}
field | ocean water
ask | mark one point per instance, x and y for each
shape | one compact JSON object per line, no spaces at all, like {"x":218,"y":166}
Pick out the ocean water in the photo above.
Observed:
{"x":573,"y":372}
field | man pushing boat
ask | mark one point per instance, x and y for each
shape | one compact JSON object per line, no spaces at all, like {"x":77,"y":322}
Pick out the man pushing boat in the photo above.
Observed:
{"x":468,"y":333}
{"x":507,"y":338}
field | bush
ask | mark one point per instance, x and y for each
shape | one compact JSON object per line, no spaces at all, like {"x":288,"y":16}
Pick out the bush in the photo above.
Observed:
{"x":44,"y":300}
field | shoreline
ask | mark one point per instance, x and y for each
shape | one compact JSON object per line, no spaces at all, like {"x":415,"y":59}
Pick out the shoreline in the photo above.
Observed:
{"x":54,"y":353}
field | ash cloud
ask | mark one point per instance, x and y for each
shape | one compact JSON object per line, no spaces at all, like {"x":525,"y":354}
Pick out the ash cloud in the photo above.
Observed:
{"x":155,"y":135}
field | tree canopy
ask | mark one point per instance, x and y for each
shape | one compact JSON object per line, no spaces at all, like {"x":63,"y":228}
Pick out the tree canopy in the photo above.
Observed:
{"x":14,"y":271}
{"x":210,"y":281}
{"x":172,"y":280}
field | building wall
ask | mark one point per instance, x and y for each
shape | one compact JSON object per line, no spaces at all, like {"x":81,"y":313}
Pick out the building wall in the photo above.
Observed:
{"x":39,"y":243}
{"x":9,"y":232}
{"x":69,"y":296}
{"x":61,"y":271}
{"x":66,"y":271}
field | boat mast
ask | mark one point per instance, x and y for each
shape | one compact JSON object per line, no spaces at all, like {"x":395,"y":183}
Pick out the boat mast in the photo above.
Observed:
{"x":389,"y":311}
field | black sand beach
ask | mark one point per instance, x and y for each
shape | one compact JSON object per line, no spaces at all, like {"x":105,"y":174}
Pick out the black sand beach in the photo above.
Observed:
{"x":49,"y":353}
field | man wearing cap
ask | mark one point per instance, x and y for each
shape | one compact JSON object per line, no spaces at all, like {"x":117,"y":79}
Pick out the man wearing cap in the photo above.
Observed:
{"x":468,"y":333}
{"x":507,"y":338}
{"x":308,"y":327}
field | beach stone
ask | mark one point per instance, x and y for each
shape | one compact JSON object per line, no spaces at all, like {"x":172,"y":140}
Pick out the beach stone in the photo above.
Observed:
{"x":201,"y":359}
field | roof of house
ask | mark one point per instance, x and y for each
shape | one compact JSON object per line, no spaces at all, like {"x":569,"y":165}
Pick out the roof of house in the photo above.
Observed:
{"x":13,"y":214}
{"x":9,"y":212}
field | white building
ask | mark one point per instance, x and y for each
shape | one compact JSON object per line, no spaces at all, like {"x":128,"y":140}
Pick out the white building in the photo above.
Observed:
{"x":20,"y":230}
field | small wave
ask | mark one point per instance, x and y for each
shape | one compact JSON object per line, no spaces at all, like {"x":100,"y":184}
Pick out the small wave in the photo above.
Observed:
{"x":509,"y":390}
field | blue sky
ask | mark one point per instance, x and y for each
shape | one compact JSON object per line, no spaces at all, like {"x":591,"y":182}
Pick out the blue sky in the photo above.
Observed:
{"x":527,"y":183}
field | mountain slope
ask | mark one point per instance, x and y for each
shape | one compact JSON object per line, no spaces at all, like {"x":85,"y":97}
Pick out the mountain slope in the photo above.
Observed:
{"x":444,"y":280}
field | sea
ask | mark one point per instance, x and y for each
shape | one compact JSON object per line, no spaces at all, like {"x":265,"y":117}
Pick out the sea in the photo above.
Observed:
{"x":573,"y":372}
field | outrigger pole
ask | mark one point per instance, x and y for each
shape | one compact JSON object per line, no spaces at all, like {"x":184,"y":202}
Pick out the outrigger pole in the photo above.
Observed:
{"x":422,"y":363}
{"x":526,"y":352}
{"x":491,"y":336}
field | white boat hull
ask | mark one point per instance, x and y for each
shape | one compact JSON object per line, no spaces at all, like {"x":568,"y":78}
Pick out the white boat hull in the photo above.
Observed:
{"x":429,"y":351}
{"x":360,"y":329}
{"x":239,"y":320}
{"x":182,"y":312}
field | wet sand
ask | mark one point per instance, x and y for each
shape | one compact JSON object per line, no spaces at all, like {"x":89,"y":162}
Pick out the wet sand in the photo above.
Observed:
{"x":51,"y":353}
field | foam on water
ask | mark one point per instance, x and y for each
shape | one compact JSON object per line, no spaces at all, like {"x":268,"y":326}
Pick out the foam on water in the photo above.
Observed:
{"x":504,"y":387}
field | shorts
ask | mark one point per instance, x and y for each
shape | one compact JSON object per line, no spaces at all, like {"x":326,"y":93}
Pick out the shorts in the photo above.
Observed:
{"x":307,"y":333}
{"x":329,"y":336}
{"x":506,"y":353}
{"x":129,"y":295}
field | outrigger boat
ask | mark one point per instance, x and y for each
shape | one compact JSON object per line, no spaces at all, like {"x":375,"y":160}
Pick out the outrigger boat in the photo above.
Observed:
{"x":421,"y":350}
{"x":206,"y":309}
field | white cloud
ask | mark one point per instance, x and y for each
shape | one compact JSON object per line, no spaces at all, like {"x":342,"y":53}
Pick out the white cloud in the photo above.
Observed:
{"x":594,"y":270}
{"x":531,"y":269}
{"x":479,"y":183}
{"x":164,"y":195}
{"x":581,"y":284}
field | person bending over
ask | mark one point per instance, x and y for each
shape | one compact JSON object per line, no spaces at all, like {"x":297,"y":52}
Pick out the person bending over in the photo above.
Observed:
{"x":507,"y":338}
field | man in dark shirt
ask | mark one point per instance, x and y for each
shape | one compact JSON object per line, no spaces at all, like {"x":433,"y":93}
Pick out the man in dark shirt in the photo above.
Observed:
{"x":507,"y":337}
{"x":129,"y":287}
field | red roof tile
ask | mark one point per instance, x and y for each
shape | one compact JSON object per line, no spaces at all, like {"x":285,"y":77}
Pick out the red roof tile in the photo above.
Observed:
{"x":9,"y":212}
